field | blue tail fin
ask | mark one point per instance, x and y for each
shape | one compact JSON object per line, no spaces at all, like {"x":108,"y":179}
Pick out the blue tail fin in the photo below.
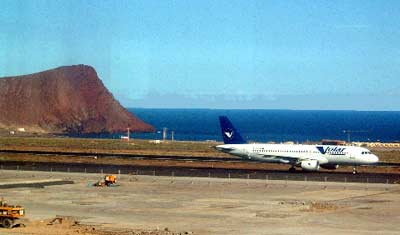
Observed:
{"x":229,"y":132}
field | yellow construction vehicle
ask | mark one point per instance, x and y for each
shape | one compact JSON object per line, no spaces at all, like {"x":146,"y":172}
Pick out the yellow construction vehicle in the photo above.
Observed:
{"x":10,"y":215}
{"x":109,"y":180}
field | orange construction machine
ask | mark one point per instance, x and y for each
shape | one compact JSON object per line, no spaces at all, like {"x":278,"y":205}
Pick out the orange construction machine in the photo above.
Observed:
{"x":109,"y":180}
{"x":10,"y":215}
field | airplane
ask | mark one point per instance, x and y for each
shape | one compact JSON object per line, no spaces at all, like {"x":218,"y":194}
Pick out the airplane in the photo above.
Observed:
{"x":307,"y":157}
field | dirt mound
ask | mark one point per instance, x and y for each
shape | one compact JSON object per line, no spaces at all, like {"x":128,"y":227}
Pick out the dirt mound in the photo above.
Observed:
{"x":70,"y":226}
{"x":69,"y":99}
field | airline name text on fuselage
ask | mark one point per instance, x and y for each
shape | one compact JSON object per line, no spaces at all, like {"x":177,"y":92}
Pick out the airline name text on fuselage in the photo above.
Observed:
{"x":332,"y":151}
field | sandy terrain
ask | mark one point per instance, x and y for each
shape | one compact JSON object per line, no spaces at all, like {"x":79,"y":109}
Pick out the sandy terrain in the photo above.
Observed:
{"x":149,"y":205}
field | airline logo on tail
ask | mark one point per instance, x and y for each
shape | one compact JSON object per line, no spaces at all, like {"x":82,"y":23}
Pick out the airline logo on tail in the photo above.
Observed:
{"x":229,"y":133}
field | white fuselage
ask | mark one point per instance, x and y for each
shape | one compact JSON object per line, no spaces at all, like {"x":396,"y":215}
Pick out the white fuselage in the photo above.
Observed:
{"x":295,"y":153}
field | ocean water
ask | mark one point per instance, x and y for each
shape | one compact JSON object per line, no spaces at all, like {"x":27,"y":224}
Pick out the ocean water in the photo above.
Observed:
{"x":273,"y":125}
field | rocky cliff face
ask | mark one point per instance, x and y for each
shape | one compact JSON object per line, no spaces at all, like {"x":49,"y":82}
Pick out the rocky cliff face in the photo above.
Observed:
{"x":70,"y":99}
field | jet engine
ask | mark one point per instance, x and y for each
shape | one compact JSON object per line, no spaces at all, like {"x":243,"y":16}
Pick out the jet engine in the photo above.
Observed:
{"x":330,"y":166}
{"x":310,"y":165}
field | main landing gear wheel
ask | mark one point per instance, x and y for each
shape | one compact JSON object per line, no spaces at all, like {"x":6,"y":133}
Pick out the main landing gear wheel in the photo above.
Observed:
{"x":292,"y":169}
{"x":7,"y":223}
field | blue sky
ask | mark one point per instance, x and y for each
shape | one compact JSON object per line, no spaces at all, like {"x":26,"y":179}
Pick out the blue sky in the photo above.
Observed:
{"x":216,"y":54}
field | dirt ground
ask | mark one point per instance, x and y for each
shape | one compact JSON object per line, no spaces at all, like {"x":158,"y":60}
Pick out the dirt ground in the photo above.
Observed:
{"x":172,"y":205}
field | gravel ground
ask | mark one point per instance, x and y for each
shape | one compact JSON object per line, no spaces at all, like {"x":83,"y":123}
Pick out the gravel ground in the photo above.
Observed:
{"x":171,"y":205}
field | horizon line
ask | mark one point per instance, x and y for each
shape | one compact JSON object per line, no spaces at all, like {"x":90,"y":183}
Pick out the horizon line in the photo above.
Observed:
{"x":271,"y":109}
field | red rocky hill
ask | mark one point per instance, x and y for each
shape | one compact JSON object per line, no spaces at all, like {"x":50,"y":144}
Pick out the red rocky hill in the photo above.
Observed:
{"x":70,"y":99}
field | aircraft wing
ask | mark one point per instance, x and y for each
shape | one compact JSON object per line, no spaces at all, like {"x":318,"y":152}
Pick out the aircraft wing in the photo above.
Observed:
{"x":274,"y":158}
{"x":286,"y":159}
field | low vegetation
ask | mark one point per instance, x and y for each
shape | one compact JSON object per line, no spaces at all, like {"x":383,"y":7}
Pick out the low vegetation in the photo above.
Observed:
{"x":145,"y":147}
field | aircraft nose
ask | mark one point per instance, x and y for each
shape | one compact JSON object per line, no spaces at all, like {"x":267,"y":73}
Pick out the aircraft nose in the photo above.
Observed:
{"x":373,"y":158}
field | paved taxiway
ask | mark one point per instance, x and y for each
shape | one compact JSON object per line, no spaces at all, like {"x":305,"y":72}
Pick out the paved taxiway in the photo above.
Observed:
{"x":329,"y":176}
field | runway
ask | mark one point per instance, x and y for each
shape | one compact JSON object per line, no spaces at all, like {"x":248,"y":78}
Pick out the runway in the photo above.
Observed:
{"x":231,"y":159}
{"x":124,"y":155}
{"x":181,"y":171}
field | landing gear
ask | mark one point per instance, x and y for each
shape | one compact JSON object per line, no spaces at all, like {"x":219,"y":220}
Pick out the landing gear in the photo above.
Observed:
{"x":354,"y":170}
{"x":292,"y":169}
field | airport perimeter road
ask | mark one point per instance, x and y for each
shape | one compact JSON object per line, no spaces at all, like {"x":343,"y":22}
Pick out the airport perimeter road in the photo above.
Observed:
{"x":332,"y":176}
{"x":206,"y":206}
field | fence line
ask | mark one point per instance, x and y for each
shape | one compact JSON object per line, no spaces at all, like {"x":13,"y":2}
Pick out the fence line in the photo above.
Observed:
{"x":209,"y":174}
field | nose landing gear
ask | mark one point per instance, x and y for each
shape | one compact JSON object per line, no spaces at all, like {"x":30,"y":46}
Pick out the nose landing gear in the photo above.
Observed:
{"x":292,"y":169}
